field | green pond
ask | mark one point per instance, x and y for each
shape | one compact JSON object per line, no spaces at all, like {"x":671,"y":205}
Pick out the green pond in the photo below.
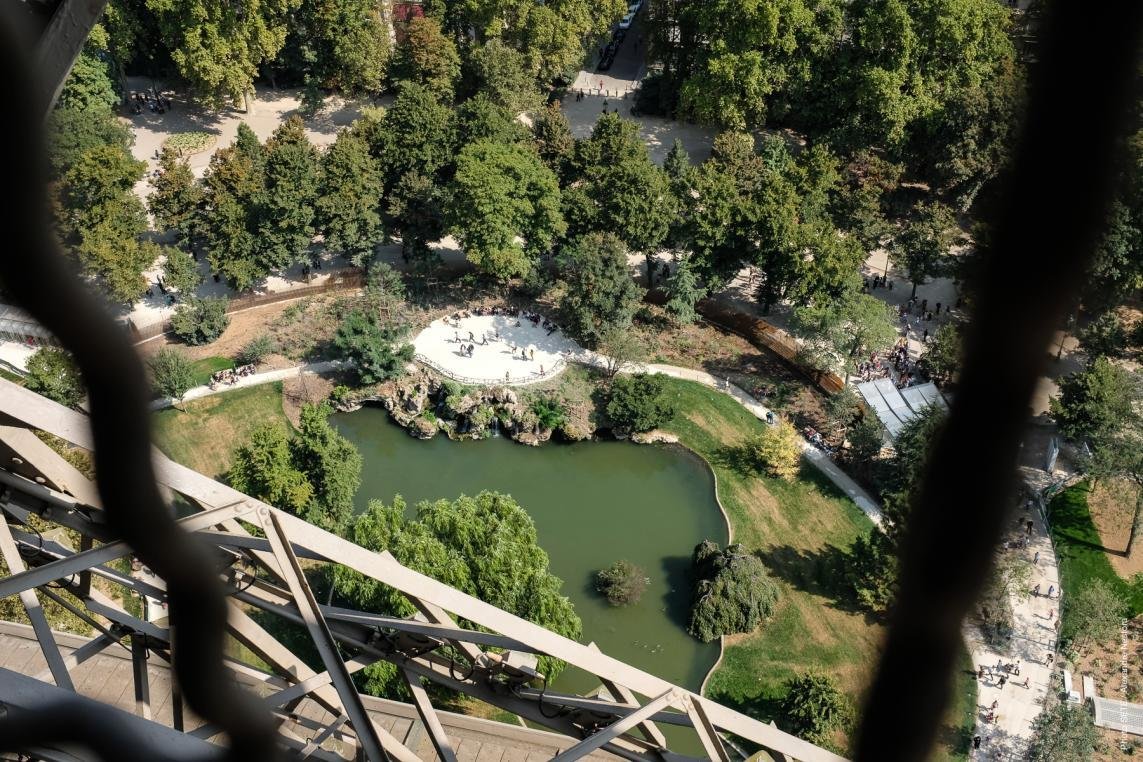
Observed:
{"x":593,"y":503}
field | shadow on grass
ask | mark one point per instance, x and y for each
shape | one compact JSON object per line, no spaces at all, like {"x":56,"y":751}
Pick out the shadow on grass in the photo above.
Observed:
{"x":821,"y":573}
{"x":735,"y":458}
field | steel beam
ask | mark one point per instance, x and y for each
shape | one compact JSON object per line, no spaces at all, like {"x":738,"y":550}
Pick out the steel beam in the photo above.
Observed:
{"x":621,"y":693}
{"x":47,"y":640}
{"x":322,"y":638}
{"x":707,"y":733}
{"x":82,"y":654}
{"x":617,"y":728}
{"x":139,"y":673}
{"x":79,"y":562}
{"x":61,"y":43}
{"x":429,"y":717}
{"x":315,"y":743}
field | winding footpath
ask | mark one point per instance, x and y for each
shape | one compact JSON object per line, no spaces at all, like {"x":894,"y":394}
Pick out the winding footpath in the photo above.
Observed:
{"x":1034,"y":616}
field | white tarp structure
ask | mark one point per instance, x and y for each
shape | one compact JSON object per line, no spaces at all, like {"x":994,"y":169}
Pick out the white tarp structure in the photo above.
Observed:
{"x":1118,"y":715}
{"x":17,"y":325}
{"x":893,"y":406}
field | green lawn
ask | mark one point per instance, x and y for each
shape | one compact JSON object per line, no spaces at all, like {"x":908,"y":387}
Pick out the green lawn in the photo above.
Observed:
{"x":1079,"y":550}
{"x":800,"y":529}
{"x":207,"y":367}
{"x":205,"y":432}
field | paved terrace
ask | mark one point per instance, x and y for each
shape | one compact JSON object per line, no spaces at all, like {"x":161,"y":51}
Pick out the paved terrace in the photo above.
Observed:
{"x":107,"y":677}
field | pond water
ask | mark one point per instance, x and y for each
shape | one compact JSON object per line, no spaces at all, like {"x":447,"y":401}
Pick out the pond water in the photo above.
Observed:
{"x":593,"y":503}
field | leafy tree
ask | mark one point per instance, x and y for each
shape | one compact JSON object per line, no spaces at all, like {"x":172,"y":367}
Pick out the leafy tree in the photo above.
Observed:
{"x":777,"y":450}
{"x":923,"y":246}
{"x":200,"y":321}
{"x":624,"y":191}
{"x":256,"y":350}
{"x":732,"y":592}
{"x":331,"y":465}
{"x":416,"y":212}
{"x":417,"y":134}
{"x":836,"y":332}
{"x":814,"y":706}
{"x":180,"y":272}
{"x":554,"y":139}
{"x":72,"y":132}
{"x":375,"y":349}
{"x":639,"y":402}
{"x":482,"y":118}
{"x":1063,"y":733}
{"x":620,"y":348}
{"x":866,"y":441}
{"x":502,"y":73}
{"x":90,"y":86}
{"x":684,"y":293}
{"x":177,"y":197}
{"x":426,"y":57}
{"x":287,"y":212}
{"x":348,"y":204}
{"x":871,"y":570}
{"x":338,"y":44}
{"x":863,"y":207}
{"x":1094,"y":613}
{"x":172,"y":374}
{"x":600,"y":294}
{"x":504,"y":208}
{"x":1105,"y":335}
{"x":942,"y":357}
{"x":622,"y":583}
{"x":485,"y":545}
{"x":101,"y":219}
{"x":677,"y":165}
{"x":313,"y":473}
{"x":1094,"y":401}
{"x":217,"y":46}
{"x":53,"y":373}
{"x":229,"y":221}
{"x":263,"y":468}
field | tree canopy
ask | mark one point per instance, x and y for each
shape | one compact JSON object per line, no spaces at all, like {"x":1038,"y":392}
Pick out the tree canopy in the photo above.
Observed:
{"x":732,"y":592}
{"x":484,"y":545}
{"x":601,"y":295}
{"x":53,"y":373}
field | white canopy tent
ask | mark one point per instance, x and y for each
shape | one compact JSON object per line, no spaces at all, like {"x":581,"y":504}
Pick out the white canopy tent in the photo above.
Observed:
{"x":17,"y":325}
{"x":895,"y":407}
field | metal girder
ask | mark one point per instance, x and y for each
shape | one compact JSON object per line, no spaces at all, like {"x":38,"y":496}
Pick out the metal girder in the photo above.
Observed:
{"x":82,"y":654}
{"x":61,"y":43}
{"x":707,"y":733}
{"x":48,"y":645}
{"x":139,"y":673}
{"x":617,"y":728}
{"x":315,"y":743}
{"x":621,"y":693}
{"x":78,"y":562}
{"x":438,"y":602}
{"x":429,"y":717}
{"x":323,"y":639}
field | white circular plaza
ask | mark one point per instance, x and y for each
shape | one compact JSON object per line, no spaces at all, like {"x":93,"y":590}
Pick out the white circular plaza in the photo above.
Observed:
{"x":504,"y":349}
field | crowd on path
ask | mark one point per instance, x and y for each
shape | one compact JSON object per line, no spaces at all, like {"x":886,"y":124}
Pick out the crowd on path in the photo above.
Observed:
{"x":468,"y":341}
{"x":1028,"y":649}
{"x":230,"y":376}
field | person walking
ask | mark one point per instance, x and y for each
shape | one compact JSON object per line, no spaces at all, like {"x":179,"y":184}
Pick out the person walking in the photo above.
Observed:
{"x":1036,"y":558}
{"x":1051,"y":589}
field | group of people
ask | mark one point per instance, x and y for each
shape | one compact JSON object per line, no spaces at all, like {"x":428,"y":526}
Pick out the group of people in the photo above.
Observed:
{"x":153,"y":101}
{"x":817,"y":440}
{"x":230,"y":376}
{"x":879,"y":281}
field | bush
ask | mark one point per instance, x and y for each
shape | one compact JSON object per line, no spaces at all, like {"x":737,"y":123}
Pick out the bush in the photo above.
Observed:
{"x":200,"y":321}
{"x":172,"y":374}
{"x":1105,"y":336}
{"x":549,"y":413}
{"x":639,"y":402}
{"x":187,"y":143}
{"x":255,"y":351}
{"x":53,"y":373}
{"x":374,"y":349}
{"x":777,"y":450}
{"x":732,"y":592}
{"x":813,"y":706}
{"x":623,"y":583}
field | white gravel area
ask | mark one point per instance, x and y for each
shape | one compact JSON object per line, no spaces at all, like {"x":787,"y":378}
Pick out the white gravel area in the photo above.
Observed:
{"x":497,"y":360}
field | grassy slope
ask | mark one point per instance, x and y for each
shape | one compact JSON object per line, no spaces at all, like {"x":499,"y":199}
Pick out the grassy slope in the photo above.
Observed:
{"x":1079,"y":550}
{"x":203,"y":369}
{"x":204,"y":434}
{"x":799,"y":529}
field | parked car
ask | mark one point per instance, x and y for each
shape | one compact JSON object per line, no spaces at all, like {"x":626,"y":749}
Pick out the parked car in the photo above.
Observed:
{"x":625,"y":22}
